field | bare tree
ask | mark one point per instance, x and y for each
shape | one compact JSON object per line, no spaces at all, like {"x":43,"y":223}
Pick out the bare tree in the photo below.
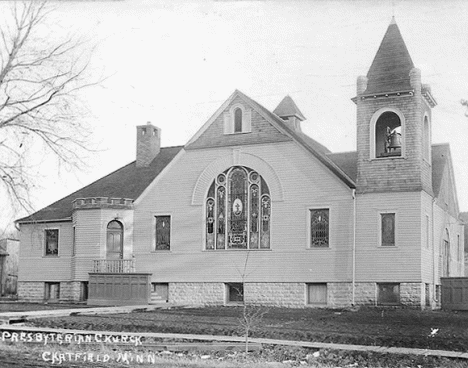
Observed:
{"x":252,"y":315}
{"x":465,"y":103}
{"x":40,"y":113}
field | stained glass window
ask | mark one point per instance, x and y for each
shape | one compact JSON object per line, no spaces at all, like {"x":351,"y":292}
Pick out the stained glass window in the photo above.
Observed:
{"x":238,"y":210}
{"x":319,"y":228}
{"x":163,"y":232}
{"x":388,"y":229}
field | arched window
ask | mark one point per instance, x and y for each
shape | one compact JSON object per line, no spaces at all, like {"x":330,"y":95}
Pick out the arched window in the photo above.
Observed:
{"x":114,"y":248}
{"x":388,"y":139}
{"x":426,"y":140}
{"x":238,"y":209}
{"x":237,"y":120}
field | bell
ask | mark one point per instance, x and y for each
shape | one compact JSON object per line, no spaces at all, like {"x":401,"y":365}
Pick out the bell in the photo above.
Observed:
{"x":395,"y":141}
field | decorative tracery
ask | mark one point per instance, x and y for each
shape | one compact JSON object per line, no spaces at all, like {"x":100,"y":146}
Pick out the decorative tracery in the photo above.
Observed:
{"x":238,"y":210}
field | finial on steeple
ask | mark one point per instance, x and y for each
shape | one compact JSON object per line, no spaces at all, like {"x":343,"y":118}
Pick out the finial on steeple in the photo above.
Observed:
{"x":393,"y":20}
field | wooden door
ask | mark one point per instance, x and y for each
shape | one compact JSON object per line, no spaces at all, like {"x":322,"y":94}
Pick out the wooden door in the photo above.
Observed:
{"x":114,"y":248}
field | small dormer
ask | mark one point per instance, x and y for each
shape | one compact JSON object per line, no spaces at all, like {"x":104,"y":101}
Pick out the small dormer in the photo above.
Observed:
{"x":288,"y":111}
{"x":238,"y":119}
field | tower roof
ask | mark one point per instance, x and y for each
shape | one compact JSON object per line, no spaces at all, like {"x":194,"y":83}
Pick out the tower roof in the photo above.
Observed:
{"x":392,"y":64}
{"x":287,"y":107}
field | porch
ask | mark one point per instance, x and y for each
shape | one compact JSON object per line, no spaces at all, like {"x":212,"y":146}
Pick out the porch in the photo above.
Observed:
{"x":116,"y":282}
{"x":114,"y":265}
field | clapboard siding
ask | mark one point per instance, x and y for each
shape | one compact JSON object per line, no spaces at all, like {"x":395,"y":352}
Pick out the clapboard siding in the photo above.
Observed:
{"x":90,"y":244}
{"x":34,"y":266}
{"x":391,"y":264}
{"x":427,"y":239}
{"x":443,"y":221}
{"x":306,"y":183}
{"x":91,"y":228}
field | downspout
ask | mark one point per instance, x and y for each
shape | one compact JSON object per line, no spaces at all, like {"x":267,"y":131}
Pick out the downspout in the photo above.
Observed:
{"x":354,"y":249}
{"x":434,"y":296}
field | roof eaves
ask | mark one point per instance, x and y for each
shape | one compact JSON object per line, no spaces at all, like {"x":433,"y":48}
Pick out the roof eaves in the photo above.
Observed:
{"x":24,"y":221}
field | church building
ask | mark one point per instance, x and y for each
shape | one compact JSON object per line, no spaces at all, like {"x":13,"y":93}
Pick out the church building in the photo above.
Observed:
{"x":253,"y":210}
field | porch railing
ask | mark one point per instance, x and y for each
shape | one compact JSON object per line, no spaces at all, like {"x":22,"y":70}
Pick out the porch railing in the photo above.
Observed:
{"x":114,"y":266}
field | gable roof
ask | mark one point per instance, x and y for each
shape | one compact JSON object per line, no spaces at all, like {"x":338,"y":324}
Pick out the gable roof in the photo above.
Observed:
{"x":315,"y":148}
{"x":347,"y":161}
{"x":392,"y":64}
{"x":127,"y":182}
{"x":287,"y":107}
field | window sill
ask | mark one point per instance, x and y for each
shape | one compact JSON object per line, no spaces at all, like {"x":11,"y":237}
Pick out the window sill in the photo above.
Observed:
{"x":317,"y":248}
{"x":234,"y":304}
{"x":161,"y":251}
{"x":387,"y":158}
{"x":51,"y":256}
{"x":238,"y":250}
{"x":235,"y":133}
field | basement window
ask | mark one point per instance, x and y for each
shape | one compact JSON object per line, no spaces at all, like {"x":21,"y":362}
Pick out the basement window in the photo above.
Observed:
{"x":389,"y":294}
{"x":235,"y":292}
{"x":317,"y":294}
{"x":52,"y":291}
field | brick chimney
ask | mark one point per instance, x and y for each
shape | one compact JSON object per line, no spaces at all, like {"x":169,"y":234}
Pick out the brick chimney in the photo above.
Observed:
{"x":148,"y":144}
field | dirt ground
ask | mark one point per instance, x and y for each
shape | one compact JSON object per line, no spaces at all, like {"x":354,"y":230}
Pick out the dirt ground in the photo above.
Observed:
{"x":366,"y":326}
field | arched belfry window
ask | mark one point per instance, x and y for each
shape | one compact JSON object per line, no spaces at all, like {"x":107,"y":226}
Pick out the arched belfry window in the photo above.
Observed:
{"x":388,"y":135}
{"x":237,"y":120}
{"x":238,"y":211}
{"x":114,"y":248}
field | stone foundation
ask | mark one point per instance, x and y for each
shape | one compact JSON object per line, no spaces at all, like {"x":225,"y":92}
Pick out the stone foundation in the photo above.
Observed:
{"x":34,"y":291}
{"x":291,"y":295}
{"x":412,"y":294}
{"x":340,"y":294}
{"x":31,"y":291}
{"x":294,"y":295}
{"x":365,"y":293}
{"x":70,"y":291}
{"x":197,"y":293}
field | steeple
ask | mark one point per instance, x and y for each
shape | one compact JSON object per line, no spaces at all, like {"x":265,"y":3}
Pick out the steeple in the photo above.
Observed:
{"x":393,"y":122}
{"x":390,"y":70}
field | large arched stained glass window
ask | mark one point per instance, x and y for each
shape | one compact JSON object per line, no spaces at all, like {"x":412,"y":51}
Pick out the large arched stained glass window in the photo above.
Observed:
{"x":238,"y":210}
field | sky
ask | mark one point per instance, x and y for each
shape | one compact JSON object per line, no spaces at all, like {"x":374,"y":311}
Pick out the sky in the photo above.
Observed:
{"x":173,"y":63}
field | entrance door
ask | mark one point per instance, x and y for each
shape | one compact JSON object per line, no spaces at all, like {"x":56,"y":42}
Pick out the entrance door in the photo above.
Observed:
{"x":114,"y":240}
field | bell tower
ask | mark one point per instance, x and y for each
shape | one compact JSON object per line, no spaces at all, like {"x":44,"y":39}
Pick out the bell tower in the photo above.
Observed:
{"x":393,"y":122}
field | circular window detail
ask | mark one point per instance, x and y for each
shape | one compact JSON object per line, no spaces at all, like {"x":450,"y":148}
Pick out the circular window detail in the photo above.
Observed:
{"x":254,"y":177}
{"x":221,"y":179}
